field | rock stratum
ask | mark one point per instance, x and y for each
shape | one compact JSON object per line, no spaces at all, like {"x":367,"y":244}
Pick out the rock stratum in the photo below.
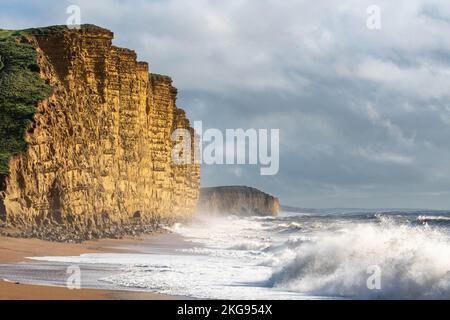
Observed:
{"x":97,"y":155}
{"x":237,"y":200}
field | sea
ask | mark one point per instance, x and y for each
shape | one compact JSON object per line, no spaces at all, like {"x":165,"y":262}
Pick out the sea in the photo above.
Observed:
{"x":306,"y":254}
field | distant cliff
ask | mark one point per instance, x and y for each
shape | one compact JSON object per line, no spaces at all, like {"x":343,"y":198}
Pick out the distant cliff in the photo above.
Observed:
{"x":93,"y":156}
{"x":237,"y":200}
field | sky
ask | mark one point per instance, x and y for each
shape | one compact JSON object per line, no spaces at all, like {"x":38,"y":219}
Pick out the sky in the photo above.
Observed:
{"x":363,"y":113}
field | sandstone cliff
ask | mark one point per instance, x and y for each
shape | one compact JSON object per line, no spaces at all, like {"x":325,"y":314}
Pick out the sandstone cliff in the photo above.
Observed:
{"x":237,"y":200}
{"x":98,"y":156}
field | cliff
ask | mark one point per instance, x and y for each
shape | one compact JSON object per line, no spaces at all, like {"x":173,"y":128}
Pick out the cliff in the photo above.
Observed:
{"x":237,"y":200}
{"x":97,"y":158}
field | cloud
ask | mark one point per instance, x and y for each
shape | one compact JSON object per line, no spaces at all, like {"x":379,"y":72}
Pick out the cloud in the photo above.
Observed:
{"x":384,"y":157}
{"x":393,"y":130}
{"x":363,"y":115}
{"x":408,"y":80}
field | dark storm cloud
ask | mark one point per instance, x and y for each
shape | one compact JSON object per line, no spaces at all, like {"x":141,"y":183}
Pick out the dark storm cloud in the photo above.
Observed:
{"x":363,"y":115}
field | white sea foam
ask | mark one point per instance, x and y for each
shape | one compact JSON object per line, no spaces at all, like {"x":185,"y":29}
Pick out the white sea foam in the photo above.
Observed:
{"x":433,"y":218}
{"x":201,"y":277}
{"x":254,"y":258}
{"x":414,"y":263}
{"x":223,"y":232}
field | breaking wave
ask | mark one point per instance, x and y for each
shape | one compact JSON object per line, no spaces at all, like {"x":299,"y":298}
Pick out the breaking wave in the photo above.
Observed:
{"x":414,"y":262}
{"x":319,"y":255}
{"x":433,"y":218}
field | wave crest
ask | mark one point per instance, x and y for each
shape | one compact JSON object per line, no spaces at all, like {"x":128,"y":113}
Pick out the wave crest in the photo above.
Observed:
{"x":414,"y":263}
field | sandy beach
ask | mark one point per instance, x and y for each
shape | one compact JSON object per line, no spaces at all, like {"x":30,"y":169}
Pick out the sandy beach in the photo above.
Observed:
{"x":14,"y":250}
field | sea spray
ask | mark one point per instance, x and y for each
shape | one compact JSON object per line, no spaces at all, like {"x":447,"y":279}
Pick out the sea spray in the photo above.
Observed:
{"x":335,"y":254}
{"x":414,"y":261}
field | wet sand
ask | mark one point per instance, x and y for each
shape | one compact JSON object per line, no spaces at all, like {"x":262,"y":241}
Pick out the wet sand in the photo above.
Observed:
{"x":14,"y":250}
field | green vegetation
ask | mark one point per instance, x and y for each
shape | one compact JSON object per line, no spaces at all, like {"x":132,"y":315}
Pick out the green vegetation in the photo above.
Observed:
{"x":56,"y":29}
{"x":20,"y":89}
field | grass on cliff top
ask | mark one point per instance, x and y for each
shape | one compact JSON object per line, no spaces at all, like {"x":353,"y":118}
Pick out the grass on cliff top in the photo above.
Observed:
{"x":20,"y":89}
{"x":59,"y":28}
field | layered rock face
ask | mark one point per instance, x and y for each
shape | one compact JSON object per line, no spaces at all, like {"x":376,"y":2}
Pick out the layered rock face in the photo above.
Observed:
{"x":237,"y":200}
{"x":98,"y":162}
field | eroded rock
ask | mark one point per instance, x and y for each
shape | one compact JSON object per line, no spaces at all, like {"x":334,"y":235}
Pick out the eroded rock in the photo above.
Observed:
{"x":237,"y":200}
{"x":99,"y":151}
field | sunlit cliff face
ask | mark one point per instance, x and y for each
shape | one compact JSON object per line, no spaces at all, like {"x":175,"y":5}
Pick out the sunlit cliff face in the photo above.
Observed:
{"x":98,"y":154}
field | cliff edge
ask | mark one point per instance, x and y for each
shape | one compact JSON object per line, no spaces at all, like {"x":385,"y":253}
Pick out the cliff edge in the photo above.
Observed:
{"x":237,"y":200}
{"x":92,"y":157}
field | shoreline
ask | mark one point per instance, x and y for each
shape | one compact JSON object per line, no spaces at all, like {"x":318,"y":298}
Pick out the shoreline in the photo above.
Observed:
{"x":16,"y":250}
